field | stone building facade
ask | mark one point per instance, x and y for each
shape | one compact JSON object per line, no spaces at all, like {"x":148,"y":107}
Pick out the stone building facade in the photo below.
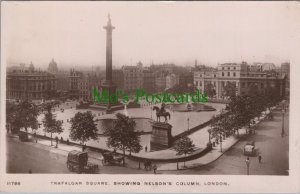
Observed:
{"x":30,"y":84}
{"x":241,"y":76}
{"x":133,"y":77}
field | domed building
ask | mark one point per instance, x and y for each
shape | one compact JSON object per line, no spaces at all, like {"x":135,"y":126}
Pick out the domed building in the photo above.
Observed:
{"x":52,"y":68}
{"x":31,"y":67}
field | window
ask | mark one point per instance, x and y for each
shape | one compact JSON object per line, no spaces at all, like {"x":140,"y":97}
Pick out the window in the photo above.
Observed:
{"x":222,"y":73}
{"x":200,"y":83}
{"x":196,"y":83}
{"x":228,"y":68}
{"x":215,"y":75}
{"x":228,"y":74}
{"x":234,"y":68}
{"x":233,"y":74}
{"x":222,"y":68}
{"x":215,"y":84}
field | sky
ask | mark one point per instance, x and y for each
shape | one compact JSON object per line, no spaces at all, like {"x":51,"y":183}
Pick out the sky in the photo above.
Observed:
{"x":151,"y":32}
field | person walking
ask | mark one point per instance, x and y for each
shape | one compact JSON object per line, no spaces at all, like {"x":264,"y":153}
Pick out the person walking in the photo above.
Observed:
{"x":259,"y":158}
{"x":56,"y":139}
{"x":146,"y":148}
{"x":154,"y":168}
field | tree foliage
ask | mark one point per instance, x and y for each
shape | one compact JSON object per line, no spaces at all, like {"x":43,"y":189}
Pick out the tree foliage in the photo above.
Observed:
{"x":209,"y":90}
{"x":184,"y":146}
{"x":51,"y":125}
{"x":22,"y":115}
{"x":122,"y":135}
{"x":83,"y":127}
{"x":11,"y":117}
{"x":230,"y":89}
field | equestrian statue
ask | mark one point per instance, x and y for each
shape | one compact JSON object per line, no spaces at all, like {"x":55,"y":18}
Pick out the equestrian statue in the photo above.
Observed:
{"x":161,"y":112}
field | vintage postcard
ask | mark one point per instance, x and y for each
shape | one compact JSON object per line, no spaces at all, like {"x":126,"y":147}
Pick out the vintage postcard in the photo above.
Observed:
{"x":150,"y":97}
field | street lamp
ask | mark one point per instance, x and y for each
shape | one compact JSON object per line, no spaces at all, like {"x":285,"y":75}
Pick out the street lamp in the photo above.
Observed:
{"x":151,"y":111}
{"x":221,"y":142}
{"x":209,"y":132}
{"x":248,"y":165}
{"x":282,"y":131}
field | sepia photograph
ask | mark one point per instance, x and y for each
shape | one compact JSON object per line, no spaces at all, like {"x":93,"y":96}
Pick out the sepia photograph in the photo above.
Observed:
{"x":123,"y":96}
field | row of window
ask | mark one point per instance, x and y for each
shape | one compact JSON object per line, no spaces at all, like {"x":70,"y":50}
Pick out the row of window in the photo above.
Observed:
{"x":214,"y":75}
{"x":21,"y":94}
{"x":199,"y":83}
{"x":228,"y":68}
{"x":228,"y":74}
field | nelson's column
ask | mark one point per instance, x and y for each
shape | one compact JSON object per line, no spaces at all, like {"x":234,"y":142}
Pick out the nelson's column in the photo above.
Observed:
{"x":108,"y":84}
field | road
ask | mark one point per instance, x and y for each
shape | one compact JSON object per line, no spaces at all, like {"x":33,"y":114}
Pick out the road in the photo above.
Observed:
{"x":25,"y":156}
{"x":269,"y":144}
{"x":22,"y":157}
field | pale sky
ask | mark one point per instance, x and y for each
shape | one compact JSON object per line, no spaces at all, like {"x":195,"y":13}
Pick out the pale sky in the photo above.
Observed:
{"x":163,"y":32}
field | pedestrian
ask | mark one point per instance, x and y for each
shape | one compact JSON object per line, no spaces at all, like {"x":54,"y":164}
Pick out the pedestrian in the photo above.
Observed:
{"x":146,"y":148}
{"x":30,"y":171}
{"x":154,"y":168}
{"x":34,"y":135}
{"x":259,"y":158}
{"x":56,"y":139}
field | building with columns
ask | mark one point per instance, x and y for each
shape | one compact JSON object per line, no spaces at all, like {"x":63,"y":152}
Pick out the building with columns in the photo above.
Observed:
{"x":29,"y":84}
{"x":241,"y":76}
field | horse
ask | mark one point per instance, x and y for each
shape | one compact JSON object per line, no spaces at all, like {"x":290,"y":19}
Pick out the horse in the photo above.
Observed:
{"x":161,"y":114}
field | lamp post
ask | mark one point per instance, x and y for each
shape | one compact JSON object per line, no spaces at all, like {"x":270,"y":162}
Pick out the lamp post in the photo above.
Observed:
{"x":248,"y":165}
{"x":221,"y":142}
{"x":282,"y":130}
{"x":188,"y":120}
{"x":209,"y":132}
{"x":151,"y":111}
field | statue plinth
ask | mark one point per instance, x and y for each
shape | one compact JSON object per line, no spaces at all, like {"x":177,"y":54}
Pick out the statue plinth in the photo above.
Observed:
{"x":161,"y":137}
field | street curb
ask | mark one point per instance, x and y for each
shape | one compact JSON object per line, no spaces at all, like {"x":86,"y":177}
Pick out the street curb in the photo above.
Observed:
{"x":201,"y":165}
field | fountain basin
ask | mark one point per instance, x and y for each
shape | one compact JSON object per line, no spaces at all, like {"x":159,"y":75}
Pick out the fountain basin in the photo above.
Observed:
{"x":142,"y":125}
{"x":194,"y":107}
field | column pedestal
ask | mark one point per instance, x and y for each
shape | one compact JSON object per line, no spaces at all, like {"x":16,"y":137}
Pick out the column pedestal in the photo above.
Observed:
{"x":161,"y":137}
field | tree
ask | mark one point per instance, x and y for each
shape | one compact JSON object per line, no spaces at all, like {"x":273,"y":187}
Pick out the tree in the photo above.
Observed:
{"x":51,"y":125}
{"x":83,"y":127}
{"x":26,"y":116}
{"x":209,"y":90}
{"x":240,"y":108}
{"x":11,"y":120}
{"x":229,"y":89}
{"x":253,"y":90}
{"x":122,"y":135}
{"x":220,"y":126}
{"x":184,"y":146}
{"x":271,"y":97}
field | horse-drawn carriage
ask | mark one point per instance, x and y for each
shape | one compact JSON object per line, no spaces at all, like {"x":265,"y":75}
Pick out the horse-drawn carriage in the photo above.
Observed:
{"x":148,"y":165}
{"x":78,"y":162}
{"x":111,"y":158}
